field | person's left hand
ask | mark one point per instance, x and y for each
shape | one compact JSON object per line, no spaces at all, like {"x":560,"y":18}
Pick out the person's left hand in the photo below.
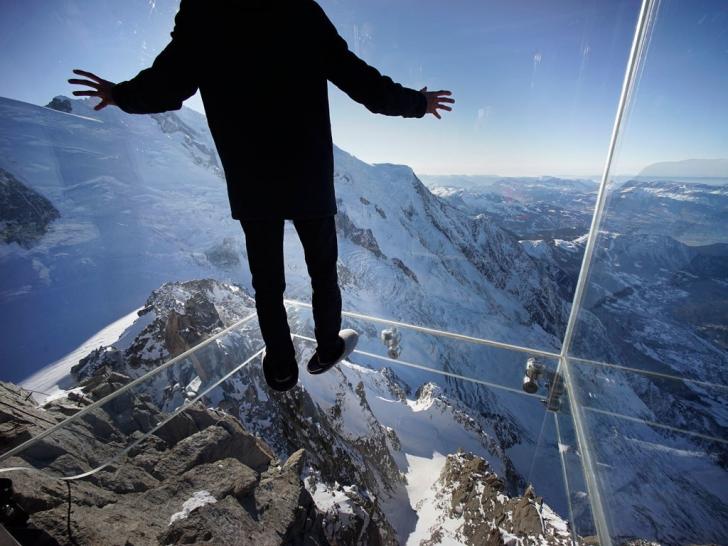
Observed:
{"x":437,"y":99}
{"x":102,"y":88}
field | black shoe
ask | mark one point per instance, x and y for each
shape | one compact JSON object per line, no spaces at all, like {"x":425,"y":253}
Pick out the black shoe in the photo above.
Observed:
{"x":347,"y":342}
{"x":280,"y":375}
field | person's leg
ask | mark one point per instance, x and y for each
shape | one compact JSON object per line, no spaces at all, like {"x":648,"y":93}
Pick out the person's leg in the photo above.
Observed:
{"x":264,"y":242}
{"x":318,"y":237}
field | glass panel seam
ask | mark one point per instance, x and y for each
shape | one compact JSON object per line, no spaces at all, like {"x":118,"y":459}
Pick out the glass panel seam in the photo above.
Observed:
{"x":406,"y":364}
{"x":562,"y":458}
{"x":439,"y":333}
{"x":656,"y":424}
{"x":707,"y":384}
{"x":638,"y":46}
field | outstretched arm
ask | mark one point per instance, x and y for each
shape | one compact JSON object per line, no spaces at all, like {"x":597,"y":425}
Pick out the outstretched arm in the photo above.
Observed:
{"x":164,"y":86}
{"x":366,"y":85}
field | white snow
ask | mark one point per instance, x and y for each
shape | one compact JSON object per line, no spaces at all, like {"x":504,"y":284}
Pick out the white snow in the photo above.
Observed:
{"x":422,"y":475}
{"x":197,"y":500}
{"x":48,"y":379}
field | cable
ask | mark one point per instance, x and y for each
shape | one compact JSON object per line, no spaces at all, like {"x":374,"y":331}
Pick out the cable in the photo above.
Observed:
{"x":433,"y":370}
{"x":19,"y":410}
{"x":69,"y":530}
{"x":439,"y":333}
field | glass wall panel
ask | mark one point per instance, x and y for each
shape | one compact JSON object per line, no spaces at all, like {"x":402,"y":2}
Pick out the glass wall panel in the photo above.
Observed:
{"x":512,"y":171}
{"x":125,"y":293}
{"x":648,"y":356}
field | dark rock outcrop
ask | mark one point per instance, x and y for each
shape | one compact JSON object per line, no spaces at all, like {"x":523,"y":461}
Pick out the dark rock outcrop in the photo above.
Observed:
{"x":24,"y":213}
{"x":362,"y":237}
{"x":199,"y":479}
{"x":471,"y":492}
{"x":61,"y":103}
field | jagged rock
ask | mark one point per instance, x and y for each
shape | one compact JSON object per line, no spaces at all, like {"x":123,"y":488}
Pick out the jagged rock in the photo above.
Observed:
{"x":406,"y":270}
{"x":470,"y":492}
{"x":224,"y":255}
{"x":195,"y":418}
{"x":296,"y":461}
{"x":154,"y":496}
{"x":187,"y":329}
{"x":97,"y":362}
{"x":60,"y":103}
{"x":209,"y":445}
{"x":278,"y":511}
{"x":201,"y":153}
{"x":362,"y":237}
{"x":20,"y":417}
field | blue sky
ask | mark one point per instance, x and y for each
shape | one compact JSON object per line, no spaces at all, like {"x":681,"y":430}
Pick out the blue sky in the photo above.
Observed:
{"x":536,"y":82}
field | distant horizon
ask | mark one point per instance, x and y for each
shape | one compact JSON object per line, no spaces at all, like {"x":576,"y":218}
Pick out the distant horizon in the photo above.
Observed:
{"x":719,"y":178}
{"x":580,"y":177}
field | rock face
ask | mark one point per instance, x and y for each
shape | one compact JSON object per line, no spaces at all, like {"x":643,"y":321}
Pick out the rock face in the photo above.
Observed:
{"x":199,"y":148}
{"x":199,"y":479}
{"x":175,"y":317}
{"x":24,"y":213}
{"x":481,"y":514}
{"x":61,"y":103}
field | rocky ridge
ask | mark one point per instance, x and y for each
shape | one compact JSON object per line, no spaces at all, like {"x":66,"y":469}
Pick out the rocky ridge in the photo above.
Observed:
{"x":349,"y":422}
{"x":201,"y":478}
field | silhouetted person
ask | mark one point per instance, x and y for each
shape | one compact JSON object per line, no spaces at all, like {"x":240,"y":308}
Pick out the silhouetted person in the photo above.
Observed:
{"x":262,"y":68}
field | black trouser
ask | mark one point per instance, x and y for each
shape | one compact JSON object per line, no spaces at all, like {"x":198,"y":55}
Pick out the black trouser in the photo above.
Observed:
{"x":264,"y":241}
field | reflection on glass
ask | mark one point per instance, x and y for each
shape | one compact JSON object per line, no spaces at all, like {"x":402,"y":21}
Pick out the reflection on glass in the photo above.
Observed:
{"x":648,"y":357}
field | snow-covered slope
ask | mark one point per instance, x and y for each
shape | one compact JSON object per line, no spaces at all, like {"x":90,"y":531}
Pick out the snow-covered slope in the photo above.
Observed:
{"x":141,"y":202}
{"x":139,"y":205}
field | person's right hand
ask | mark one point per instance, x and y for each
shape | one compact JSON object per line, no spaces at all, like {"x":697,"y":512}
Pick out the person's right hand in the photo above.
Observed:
{"x":437,"y":99}
{"x":102,"y":88}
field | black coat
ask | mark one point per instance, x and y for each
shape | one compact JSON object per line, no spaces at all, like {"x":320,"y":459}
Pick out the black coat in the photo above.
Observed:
{"x":262,"y":68}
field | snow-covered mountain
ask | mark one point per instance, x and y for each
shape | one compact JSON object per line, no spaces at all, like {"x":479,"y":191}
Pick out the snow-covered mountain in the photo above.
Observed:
{"x":715,"y":169}
{"x":544,"y":210}
{"x":405,"y":254}
{"x":140,"y":204}
{"x":137,"y":205}
{"x":551,"y":208}
{"x":692,"y":213}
